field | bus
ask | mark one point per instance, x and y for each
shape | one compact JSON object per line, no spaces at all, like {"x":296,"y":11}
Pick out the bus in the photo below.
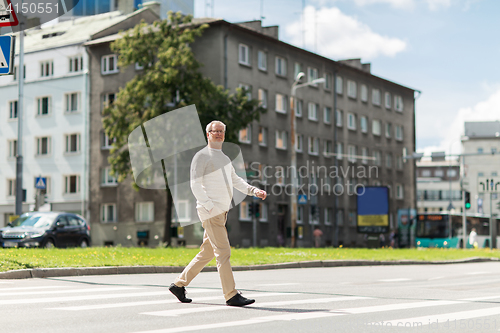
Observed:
{"x":433,"y":230}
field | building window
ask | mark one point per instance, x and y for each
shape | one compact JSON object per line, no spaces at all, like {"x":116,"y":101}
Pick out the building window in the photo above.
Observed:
{"x":480,"y":150}
{"x":109,"y":64}
{"x":182,"y":210}
{"x":388,"y":129}
{"x":399,"y":162}
{"x":426,"y":173}
{"x":263,"y":212}
{"x":328,"y":148}
{"x":72,"y":143}
{"x":364,"y":93}
{"x":108,"y":212}
{"x":281,"y":66}
{"x":280,"y":175}
{"x":144,"y":211}
{"x":313,"y":214}
{"x":300,"y":107}
{"x":351,"y":153}
{"x":297,"y":68}
{"x":281,"y":103}
{"x":43,"y":146}
{"x":352,"y":89}
{"x":71,"y":184}
{"x":11,"y":187}
{"x":12,"y":148}
{"x":327,"y":115}
{"x":388,"y":160}
{"x":108,"y":99}
{"x":107,"y":178}
{"x":247,"y":89}
{"x":352,"y":218}
{"x":398,"y":103}
{"x":376,"y":97}
{"x":376,"y":127}
{"x":244,"y":55}
{"x":339,"y":85}
{"x":299,"y":143}
{"x":387,"y":100}
{"x":15,"y":72}
{"x":281,"y":139}
{"x":363,"y":123}
{"x":312,"y":74}
{"x":312,"y":113}
{"x":107,"y":143}
{"x":12,"y":109}
{"x":75,"y":64}
{"x":245,"y":135}
{"x":377,"y":157}
{"x":338,"y":118}
{"x":339,"y":151}
{"x":300,"y":214}
{"x":72,"y":101}
{"x":399,"y":133}
{"x":313,"y":146}
{"x":364,"y":155}
{"x":351,"y":121}
{"x":245,"y":211}
{"x":328,"y":79}
{"x":451,"y":173}
{"x":47,"y":68}
{"x":263,"y":98}
{"x":399,"y":191}
{"x":43,"y":105}
{"x":262,"y":136}
{"x":262,"y":60}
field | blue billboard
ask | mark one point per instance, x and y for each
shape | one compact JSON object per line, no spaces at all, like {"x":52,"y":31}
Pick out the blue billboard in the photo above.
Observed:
{"x":372,"y":209}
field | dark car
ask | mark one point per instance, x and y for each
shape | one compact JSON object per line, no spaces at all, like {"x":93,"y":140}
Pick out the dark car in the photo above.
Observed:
{"x":46,"y":229}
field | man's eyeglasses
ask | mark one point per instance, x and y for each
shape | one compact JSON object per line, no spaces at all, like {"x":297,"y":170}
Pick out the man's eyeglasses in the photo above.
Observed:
{"x":217,"y":132}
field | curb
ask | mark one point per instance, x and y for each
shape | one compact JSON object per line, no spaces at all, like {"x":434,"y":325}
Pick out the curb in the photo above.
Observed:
{"x":83,"y":271}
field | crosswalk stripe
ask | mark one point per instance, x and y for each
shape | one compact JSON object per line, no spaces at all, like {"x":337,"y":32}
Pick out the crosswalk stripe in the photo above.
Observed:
{"x":445,"y":317}
{"x":277,"y":284}
{"x":398,"y":306}
{"x":395,"y":280}
{"x":239,"y":323}
{"x":481,"y":298}
{"x":29,"y":288}
{"x":177,"y":312}
{"x":166,"y":301}
{"x":68,"y":291}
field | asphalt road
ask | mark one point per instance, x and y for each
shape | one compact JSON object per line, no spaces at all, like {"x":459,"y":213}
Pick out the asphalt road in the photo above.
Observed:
{"x":413,"y":298}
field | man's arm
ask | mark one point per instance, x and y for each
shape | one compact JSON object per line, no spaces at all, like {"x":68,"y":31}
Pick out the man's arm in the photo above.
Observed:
{"x":244,"y":187}
{"x":197,"y":173}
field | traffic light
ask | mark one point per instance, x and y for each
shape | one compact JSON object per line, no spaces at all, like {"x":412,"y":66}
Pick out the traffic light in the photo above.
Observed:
{"x":467,"y":200}
{"x":257,"y":209}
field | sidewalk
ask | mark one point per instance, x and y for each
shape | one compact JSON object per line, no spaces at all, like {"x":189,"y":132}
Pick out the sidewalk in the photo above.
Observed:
{"x":81,"y":271}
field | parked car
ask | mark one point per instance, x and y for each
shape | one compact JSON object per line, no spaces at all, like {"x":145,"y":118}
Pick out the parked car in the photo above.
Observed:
{"x":46,"y":229}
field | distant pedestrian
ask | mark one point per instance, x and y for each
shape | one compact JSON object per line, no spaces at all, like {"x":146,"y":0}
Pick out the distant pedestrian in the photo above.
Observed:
{"x":212,"y":181}
{"x":392,"y":238}
{"x":381,"y":239}
{"x":317,"y":233}
{"x":472,"y":238}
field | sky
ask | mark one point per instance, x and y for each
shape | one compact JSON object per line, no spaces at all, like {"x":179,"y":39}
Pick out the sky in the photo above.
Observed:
{"x":447,"y":49}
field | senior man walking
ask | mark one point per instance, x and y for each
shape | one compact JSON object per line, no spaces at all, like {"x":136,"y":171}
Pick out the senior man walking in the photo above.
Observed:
{"x":212,"y":181}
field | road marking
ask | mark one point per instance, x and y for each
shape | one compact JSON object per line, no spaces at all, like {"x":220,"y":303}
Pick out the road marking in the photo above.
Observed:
{"x":238,"y":323}
{"x":435,"y":278}
{"x":480,"y":298}
{"x":28,"y":288}
{"x":476,"y":273}
{"x":394,"y":280}
{"x":177,"y":312}
{"x":391,"y":307}
{"x":277,"y":284}
{"x":2,"y":282}
{"x":166,"y":301}
{"x":68,"y":291}
{"x":427,"y":320}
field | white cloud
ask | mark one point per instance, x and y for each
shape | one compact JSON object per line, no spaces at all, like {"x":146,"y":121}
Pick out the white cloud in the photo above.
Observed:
{"x":340,"y":36}
{"x":438,"y":4}
{"x":487,"y":110}
{"x":401,"y":4}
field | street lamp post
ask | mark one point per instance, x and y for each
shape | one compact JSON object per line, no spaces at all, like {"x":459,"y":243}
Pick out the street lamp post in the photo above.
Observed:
{"x":293,"y":162}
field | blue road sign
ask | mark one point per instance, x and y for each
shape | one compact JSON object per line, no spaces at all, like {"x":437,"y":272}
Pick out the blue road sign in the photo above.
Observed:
{"x":302,"y":199}
{"x":7,"y":50}
{"x":41,"y":183}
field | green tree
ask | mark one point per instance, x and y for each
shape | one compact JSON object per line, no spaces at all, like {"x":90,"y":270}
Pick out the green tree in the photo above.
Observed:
{"x":170,"y":80}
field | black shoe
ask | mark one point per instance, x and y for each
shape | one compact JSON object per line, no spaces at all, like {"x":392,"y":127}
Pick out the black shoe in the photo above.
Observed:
{"x":180,"y":293}
{"x":238,"y":300}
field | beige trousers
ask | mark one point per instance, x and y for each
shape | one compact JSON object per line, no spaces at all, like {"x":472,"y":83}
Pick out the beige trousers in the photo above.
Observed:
{"x":215,"y":243}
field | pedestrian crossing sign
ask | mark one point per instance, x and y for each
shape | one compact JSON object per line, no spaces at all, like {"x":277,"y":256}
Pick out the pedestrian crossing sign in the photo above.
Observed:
{"x":7,"y":49}
{"x":302,"y":199}
{"x":41,"y":183}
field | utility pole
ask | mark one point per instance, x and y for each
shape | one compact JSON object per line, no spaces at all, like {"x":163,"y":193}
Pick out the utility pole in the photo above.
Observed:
{"x":19,"y":153}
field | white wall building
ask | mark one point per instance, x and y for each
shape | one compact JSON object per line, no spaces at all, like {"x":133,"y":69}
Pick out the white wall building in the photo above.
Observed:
{"x":482,"y":137}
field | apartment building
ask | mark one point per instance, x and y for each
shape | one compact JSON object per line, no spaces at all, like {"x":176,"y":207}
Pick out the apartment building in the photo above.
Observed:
{"x":351,"y":132}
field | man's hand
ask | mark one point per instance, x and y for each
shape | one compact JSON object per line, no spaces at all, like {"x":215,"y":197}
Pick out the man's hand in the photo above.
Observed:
{"x":261,"y":194}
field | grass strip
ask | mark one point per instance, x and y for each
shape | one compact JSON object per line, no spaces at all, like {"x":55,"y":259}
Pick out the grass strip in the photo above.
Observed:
{"x":21,"y":258}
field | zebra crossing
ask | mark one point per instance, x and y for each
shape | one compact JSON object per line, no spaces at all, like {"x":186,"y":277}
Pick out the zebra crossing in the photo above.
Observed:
{"x":164,"y":314}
